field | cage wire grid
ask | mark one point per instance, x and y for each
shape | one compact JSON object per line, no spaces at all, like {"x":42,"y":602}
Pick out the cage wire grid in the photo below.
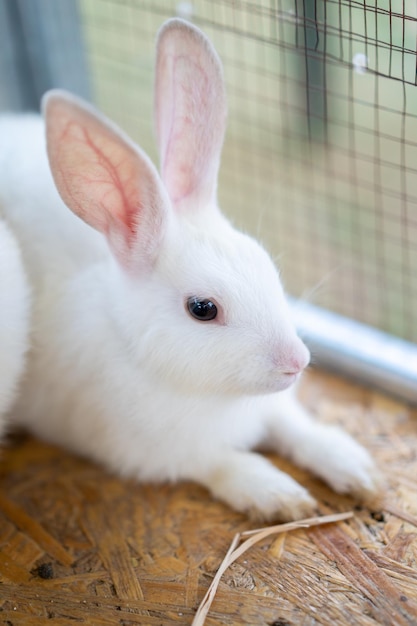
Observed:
{"x":320,"y":159}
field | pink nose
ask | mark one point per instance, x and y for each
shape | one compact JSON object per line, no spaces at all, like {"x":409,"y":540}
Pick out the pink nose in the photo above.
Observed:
{"x":295,"y":367}
{"x":297,"y":360}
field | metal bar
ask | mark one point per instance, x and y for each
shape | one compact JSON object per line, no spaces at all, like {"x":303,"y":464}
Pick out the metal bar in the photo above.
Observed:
{"x":359,"y":351}
{"x":312,"y":65}
{"x":41,"y":46}
{"x":16,"y":81}
{"x":54,"y":45}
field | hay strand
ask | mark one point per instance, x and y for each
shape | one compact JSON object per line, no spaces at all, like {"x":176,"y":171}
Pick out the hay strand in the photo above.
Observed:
{"x":255,"y":536}
{"x":404,"y":515}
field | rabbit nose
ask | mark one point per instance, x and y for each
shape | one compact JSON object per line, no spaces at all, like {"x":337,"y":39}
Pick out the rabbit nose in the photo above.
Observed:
{"x":298,"y":360}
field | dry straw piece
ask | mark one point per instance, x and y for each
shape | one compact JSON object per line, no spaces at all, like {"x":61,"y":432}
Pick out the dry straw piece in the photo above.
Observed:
{"x":235,"y":551}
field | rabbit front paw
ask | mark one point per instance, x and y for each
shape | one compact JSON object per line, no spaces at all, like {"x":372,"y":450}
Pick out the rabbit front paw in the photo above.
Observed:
{"x":342,"y":463}
{"x":252,"y":485}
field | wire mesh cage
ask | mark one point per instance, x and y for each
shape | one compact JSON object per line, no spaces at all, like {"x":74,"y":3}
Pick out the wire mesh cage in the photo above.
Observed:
{"x":321,"y":152}
{"x":320,"y":158}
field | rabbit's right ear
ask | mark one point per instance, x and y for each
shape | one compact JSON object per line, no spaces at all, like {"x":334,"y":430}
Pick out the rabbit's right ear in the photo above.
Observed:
{"x":190,"y":111}
{"x":105,"y":179}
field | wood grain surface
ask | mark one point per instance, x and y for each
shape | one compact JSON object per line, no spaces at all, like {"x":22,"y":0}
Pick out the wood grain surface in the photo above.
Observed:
{"x":79,"y":546}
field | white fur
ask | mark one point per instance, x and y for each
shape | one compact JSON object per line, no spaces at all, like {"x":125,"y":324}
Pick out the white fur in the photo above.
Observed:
{"x":119,"y":371}
{"x":14,"y":319}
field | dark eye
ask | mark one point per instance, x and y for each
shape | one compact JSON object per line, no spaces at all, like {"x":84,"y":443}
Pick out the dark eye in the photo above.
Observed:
{"x":202,"y":310}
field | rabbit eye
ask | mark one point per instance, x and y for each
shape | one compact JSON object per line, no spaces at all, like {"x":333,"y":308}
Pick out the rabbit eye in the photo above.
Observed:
{"x":201,"y":310}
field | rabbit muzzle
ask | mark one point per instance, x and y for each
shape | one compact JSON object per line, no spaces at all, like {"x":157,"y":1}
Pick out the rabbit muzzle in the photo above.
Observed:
{"x":290,"y":362}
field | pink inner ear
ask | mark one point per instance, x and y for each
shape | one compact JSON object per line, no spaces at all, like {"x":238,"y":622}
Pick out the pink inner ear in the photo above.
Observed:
{"x":187,"y":163}
{"x":96,"y":179}
{"x":190,"y":113}
{"x":104,"y":179}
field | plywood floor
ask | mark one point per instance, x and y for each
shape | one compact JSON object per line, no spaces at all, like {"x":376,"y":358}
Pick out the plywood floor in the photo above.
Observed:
{"x":78,"y":546}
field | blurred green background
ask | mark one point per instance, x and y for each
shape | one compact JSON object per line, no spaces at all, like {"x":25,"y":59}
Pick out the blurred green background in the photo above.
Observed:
{"x":320,"y":158}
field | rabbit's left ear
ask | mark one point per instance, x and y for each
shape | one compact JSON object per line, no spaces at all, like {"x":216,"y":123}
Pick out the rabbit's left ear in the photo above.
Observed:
{"x":190,"y":112}
{"x":105,"y":179}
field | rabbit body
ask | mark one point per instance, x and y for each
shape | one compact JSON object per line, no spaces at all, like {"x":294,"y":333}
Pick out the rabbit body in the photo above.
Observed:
{"x":14,"y":319}
{"x":119,"y":370}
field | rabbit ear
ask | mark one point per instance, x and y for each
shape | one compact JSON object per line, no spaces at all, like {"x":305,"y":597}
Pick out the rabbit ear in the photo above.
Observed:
{"x":105,"y":179}
{"x":190,"y":110}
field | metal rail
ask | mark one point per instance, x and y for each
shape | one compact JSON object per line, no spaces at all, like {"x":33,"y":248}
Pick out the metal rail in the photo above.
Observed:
{"x":359,"y":351}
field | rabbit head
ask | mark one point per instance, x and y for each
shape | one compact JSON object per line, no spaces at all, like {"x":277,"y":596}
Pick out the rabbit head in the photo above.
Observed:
{"x":197,"y":303}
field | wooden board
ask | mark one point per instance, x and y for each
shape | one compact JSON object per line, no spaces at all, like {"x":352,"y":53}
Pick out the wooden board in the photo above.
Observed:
{"x":80,"y":546}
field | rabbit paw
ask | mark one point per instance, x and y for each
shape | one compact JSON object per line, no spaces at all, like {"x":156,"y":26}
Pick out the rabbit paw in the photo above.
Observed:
{"x":342,"y":463}
{"x":252,"y":485}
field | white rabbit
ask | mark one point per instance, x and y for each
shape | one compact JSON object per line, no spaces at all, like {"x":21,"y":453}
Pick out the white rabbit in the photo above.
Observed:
{"x":14,"y":320}
{"x":164,"y":347}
